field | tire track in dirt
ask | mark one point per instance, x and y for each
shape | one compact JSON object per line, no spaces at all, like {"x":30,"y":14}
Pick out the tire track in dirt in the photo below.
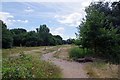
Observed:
{"x":69,"y":69}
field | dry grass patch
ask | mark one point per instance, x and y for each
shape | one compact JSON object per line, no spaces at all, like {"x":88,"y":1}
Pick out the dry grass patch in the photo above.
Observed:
{"x":101,"y":70}
{"x":8,"y":52}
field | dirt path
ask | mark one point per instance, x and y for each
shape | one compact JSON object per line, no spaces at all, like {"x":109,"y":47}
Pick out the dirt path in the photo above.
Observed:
{"x":69,"y":69}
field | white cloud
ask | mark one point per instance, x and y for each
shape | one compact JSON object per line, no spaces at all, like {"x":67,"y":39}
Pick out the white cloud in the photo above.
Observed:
{"x":72,"y":14}
{"x":26,"y":21}
{"x":65,"y":37}
{"x":86,"y":3}
{"x":61,"y":31}
{"x":71,"y":19}
{"x":9,"y":19}
{"x":22,"y":21}
{"x":57,"y":31}
{"x":6,"y":17}
{"x":29,"y":10}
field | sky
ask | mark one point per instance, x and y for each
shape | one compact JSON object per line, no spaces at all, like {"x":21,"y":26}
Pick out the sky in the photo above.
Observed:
{"x":61,"y":16}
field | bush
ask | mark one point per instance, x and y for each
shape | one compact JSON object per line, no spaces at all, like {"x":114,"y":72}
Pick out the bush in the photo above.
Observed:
{"x":113,"y":55}
{"x":77,"y":42}
{"x":77,"y":52}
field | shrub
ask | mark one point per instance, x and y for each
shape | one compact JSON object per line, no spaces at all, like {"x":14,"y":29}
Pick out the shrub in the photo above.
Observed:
{"x":77,"y":52}
{"x":77,"y":42}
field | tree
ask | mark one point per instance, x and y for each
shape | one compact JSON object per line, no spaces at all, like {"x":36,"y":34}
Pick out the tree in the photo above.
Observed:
{"x":7,"y":39}
{"x":99,"y":31}
{"x":43,"y":33}
{"x":70,"y":41}
{"x":19,"y":36}
{"x":58,"y":39}
{"x":89,"y":29}
{"x":46,"y":37}
{"x":31,"y":39}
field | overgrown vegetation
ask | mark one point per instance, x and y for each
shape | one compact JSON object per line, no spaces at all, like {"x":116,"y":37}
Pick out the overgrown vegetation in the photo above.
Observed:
{"x":100,"y":30}
{"x":26,"y":66}
{"x":77,"y":52}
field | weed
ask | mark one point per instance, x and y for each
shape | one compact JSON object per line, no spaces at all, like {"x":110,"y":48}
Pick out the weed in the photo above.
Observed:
{"x":28,"y":66}
{"x":77,"y":52}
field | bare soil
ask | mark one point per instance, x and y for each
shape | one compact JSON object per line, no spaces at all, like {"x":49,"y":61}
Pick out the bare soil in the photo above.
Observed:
{"x":69,"y":69}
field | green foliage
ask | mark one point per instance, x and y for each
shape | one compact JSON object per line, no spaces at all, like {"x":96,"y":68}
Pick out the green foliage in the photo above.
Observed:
{"x":43,"y":29}
{"x":18,"y":31}
{"x":17,"y":68}
{"x":77,"y":52}
{"x":20,"y":37}
{"x":47,"y":38}
{"x":77,"y":42}
{"x":70,"y":41}
{"x":7,"y":39}
{"x":27,"y":67}
{"x":99,"y":32}
{"x":31,"y":39}
{"x":58,"y":39}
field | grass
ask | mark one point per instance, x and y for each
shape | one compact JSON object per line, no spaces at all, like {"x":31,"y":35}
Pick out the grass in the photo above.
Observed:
{"x":101,"y":69}
{"x":30,"y":65}
{"x":16,"y":50}
{"x":49,"y":70}
{"x":51,"y":49}
{"x":77,"y":52}
{"x":98,"y":68}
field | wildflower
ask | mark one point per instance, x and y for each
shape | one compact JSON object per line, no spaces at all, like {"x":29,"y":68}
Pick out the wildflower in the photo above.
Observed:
{"x":32,"y":67}
{"x":24,"y":77}
{"x":33,"y":76}
{"x":9,"y":75}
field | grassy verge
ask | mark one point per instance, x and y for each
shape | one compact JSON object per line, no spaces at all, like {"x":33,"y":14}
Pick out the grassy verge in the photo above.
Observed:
{"x":51,"y":49}
{"x":96,"y":69}
{"x":29,"y":66}
{"x":7,"y":52}
{"x":17,"y":50}
{"x":101,"y":70}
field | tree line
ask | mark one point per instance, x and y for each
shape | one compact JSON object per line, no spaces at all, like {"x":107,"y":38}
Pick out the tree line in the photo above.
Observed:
{"x":99,"y":31}
{"x":20,"y":37}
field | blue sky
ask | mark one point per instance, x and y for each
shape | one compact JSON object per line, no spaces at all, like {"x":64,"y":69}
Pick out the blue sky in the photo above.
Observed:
{"x":62,"y":18}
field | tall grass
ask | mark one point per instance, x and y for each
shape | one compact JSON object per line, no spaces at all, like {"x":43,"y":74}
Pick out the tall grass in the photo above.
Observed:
{"x":77,"y":52}
{"x":99,"y":69}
